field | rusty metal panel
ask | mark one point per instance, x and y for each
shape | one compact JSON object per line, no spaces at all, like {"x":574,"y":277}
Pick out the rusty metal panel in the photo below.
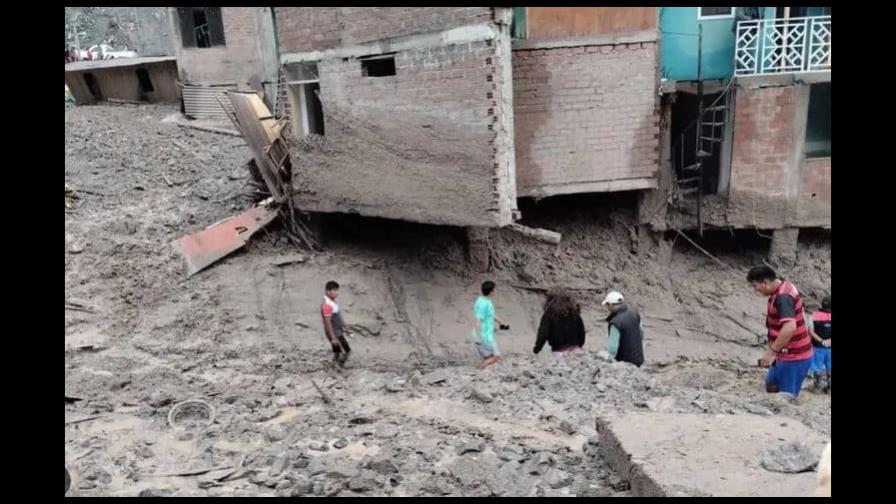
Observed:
{"x":215,"y":242}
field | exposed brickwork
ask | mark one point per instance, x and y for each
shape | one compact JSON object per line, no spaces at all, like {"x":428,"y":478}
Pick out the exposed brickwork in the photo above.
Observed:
{"x":584,"y":115}
{"x":235,"y":62}
{"x":762,"y":143}
{"x":772,"y":184}
{"x":303,"y":29}
{"x":763,"y":139}
{"x":815,"y":192}
{"x":419,"y":145}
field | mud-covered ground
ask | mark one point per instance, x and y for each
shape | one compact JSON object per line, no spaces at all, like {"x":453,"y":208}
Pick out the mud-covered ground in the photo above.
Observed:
{"x":410,"y":415}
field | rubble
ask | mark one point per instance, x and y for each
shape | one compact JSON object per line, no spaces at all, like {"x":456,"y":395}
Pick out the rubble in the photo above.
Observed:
{"x":790,"y":458}
{"x":410,"y":397}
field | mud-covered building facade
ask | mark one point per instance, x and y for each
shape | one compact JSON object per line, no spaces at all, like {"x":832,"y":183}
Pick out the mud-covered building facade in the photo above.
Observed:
{"x":448,"y":115}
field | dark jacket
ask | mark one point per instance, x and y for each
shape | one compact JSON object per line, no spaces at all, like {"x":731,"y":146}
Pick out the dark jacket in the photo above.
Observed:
{"x":631,"y":340}
{"x":560,"y":332}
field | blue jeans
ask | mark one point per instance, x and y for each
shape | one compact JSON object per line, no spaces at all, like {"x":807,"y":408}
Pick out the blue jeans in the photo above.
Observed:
{"x":788,"y":375}
{"x":821,"y":359}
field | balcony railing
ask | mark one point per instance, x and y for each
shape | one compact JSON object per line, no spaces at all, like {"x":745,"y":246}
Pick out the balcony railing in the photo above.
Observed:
{"x":776,"y":46}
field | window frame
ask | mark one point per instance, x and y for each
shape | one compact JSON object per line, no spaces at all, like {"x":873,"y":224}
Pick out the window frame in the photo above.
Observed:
{"x":701,"y":17}
{"x":213,"y":21}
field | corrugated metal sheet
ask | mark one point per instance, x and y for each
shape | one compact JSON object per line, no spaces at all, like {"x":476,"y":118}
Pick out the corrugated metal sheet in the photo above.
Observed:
{"x":201,"y":102}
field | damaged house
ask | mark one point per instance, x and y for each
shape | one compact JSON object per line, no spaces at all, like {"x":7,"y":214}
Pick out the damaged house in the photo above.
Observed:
{"x":719,"y":118}
{"x":141,"y":79}
{"x":747,"y":97}
{"x":220,"y":49}
{"x":447,"y":115}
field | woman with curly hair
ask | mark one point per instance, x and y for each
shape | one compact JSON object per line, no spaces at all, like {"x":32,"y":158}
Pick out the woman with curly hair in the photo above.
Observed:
{"x":561,"y":325}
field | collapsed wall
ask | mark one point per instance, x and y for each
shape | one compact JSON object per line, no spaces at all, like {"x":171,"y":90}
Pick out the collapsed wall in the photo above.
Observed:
{"x":422,"y":133}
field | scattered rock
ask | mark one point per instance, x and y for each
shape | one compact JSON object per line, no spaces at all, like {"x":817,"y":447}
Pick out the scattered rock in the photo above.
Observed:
{"x":396,"y":385}
{"x":302,"y":488}
{"x":361,"y":484}
{"x":483,"y":397}
{"x":567,"y":428}
{"x":437,"y":487}
{"x":157,"y":492}
{"x":508,"y":453}
{"x":275,"y":434}
{"x":593,"y":491}
{"x":594,"y":440}
{"x":279,"y":465}
{"x":557,"y":478}
{"x":98,"y":475}
{"x":539,"y":464}
{"x":546,"y":492}
{"x":470,"y":447}
{"x":437,"y":376}
{"x":617,"y":483}
{"x":75,"y":249}
{"x":340,"y":443}
{"x":791,"y":458}
{"x":384,"y":466}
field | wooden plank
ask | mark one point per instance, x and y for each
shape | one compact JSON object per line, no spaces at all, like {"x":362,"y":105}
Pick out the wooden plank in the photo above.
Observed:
{"x":258,"y":138}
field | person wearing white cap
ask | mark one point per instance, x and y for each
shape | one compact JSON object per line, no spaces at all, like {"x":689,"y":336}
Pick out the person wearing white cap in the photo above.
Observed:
{"x":625,"y":330}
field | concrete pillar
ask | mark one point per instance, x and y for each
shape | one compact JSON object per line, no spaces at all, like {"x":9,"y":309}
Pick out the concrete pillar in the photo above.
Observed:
{"x":783,"y":247}
{"x":478,"y":248}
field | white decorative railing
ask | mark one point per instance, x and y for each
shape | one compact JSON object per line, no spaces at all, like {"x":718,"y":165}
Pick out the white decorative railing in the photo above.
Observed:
{"x":775,"y":46}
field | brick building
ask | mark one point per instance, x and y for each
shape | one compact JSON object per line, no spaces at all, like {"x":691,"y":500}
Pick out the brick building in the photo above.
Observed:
{"x":221,"y":48}
{"x":414,"y":106}
{"x":446,"y":115}
{"x":747,"y":97}
{"x":585,"y":102}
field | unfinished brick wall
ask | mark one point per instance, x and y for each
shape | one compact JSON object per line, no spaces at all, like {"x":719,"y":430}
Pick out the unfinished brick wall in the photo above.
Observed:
{"x":420,"y":145}
{"x":585,"y":118}
{"x":236,"y":62}
{"x":772,"y":184}
{"x":304,"y":29}
{"x":760,"y":158}
{"x":815,"y":193}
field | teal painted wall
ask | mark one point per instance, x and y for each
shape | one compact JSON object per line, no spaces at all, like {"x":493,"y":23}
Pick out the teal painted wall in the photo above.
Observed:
{"x":678,"y":29}
{"x":678,"y":32}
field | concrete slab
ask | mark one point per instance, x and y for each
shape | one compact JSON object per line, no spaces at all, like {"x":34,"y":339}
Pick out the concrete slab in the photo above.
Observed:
{"x":668,"y":454}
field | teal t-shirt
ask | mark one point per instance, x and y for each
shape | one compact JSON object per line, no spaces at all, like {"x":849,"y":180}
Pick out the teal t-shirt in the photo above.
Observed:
{"x":484,"y":310}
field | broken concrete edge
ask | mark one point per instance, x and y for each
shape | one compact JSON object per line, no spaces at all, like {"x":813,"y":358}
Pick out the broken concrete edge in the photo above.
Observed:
{"x":611,"y":450}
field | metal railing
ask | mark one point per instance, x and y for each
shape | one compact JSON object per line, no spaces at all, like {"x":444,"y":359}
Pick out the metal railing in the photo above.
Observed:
{"x":776,"y":46}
